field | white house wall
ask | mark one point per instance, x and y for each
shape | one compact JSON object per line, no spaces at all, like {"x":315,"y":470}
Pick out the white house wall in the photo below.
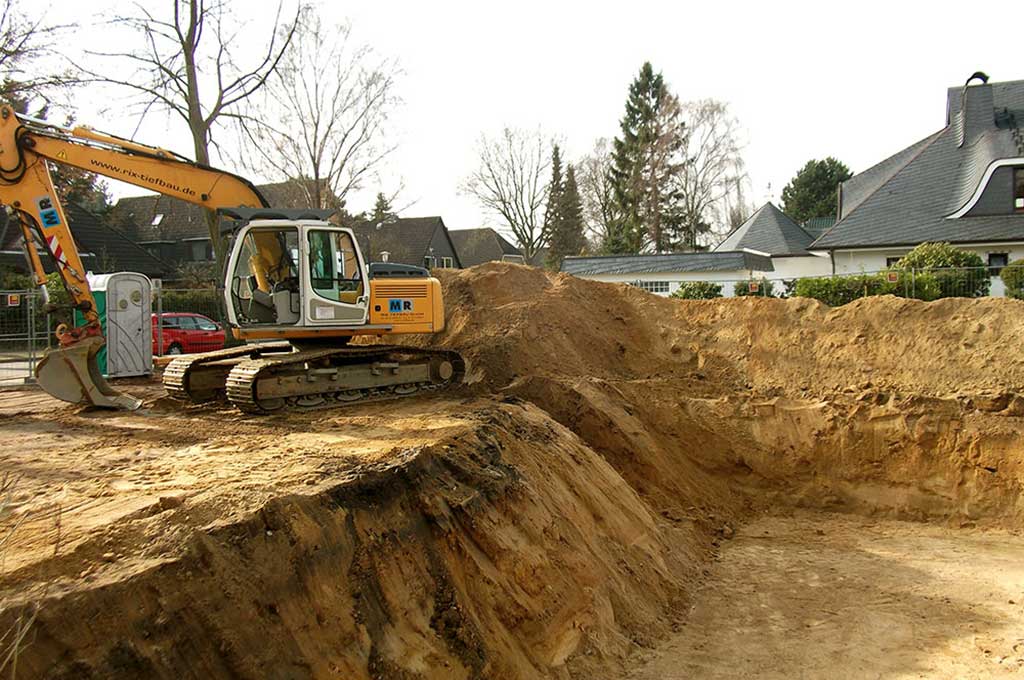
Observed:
{"x":674,"y":279}
{"x":858,"y":261}
{"x":787,"y":268}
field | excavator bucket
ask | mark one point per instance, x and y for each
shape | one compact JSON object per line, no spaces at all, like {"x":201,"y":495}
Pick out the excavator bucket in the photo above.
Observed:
{"x":72,"y":374}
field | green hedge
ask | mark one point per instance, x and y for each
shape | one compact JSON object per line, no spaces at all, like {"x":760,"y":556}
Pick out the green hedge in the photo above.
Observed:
{"x":839,"y":290}
{"x":920,"y":285}
{"x":764,"y":289}
{"x":698,"y":290}
{"x":942,"y":270}
{"x":1013,"y":277}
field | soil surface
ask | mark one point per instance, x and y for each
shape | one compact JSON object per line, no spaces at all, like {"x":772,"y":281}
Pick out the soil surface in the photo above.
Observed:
{"x":591,"y":503}
{"x":819,"y":595}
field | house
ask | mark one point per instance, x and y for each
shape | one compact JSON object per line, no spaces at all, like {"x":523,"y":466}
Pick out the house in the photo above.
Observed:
{"x":768,"y":245}
{"x":963,"y":184}
{"x":176,"y":231}
{"x":103,"y":247}
{"x":770,"y":232}
{"x":476,"y":246}
{"x":421,"y":241}
{"x":663,"y":274}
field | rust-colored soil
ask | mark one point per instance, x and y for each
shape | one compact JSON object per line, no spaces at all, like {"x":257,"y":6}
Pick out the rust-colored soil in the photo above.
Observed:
{"x":561,"y":515}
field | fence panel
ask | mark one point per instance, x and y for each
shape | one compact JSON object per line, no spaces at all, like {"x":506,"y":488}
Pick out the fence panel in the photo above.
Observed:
{"x":206,"y":301}
{"x":24,"y":336}
{"x":838,"y":289}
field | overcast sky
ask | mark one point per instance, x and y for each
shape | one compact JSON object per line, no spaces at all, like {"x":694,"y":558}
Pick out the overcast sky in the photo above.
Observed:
{"x":856,"y":80}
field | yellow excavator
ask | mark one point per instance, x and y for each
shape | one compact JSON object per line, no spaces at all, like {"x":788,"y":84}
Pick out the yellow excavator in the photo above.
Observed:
{"x":296,"y":287}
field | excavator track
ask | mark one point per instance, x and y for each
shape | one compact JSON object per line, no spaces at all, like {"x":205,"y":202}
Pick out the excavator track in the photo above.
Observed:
{"x":326,"y":378}
{"x":201,"y":377}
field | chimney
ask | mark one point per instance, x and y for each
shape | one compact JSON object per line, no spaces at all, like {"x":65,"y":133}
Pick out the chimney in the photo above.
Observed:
{"x":975,"y":112}
{"x":384,"y":255}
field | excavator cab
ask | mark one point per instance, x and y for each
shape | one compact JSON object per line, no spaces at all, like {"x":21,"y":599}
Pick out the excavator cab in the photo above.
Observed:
{"x":287,"y":275}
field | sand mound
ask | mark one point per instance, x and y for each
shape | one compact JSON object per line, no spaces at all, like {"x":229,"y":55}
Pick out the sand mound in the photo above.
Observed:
{"x":548,"y":520}
{"x":516,"y":321}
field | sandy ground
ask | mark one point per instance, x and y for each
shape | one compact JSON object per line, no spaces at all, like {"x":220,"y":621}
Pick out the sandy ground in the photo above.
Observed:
{"x":94,"y":479}
{"x":822,"y":595}
{"x":558,"y":512}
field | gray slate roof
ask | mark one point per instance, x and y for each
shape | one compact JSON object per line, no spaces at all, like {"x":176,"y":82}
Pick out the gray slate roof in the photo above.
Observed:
{"x":768,"y":230}
{"x":905,"y":199}
{"x":183,"y":220}
{"x":476,"y":246}
{"x":406,"y":239}
{"x":99,"y":244}
{"x":714,"y":261}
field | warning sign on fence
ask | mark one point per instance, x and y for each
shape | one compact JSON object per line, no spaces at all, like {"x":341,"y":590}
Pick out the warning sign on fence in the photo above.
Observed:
{"x":754,"y":286}
{"x":13,"y":300}
{"x":892,"y":277}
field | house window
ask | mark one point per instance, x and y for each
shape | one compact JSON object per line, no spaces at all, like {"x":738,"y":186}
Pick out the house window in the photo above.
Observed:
{"x":891,"y":262}
{"x":447,"y":263}
{"x":429,"y":262}
{"x":653,"y":286}
{"x":1018,"y":189}
{"x":996,"y":262}
{"x":200,"y":251}
{"x":157,"y":219}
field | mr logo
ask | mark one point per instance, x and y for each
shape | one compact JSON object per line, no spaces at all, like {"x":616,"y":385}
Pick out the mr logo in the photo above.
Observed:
{"x":398,"y":305}
{"x":48,"y":214}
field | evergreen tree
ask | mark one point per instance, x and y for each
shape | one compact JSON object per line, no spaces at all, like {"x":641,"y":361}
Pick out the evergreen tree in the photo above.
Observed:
{"x":813,"y":191}
{"x":567,"y":237}
{"x":645,"y":167}
{"x":551,"y":211}
{"x":381,"y":209}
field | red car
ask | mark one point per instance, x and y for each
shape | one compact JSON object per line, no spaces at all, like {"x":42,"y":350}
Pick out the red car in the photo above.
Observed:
{"x":184,"y":333}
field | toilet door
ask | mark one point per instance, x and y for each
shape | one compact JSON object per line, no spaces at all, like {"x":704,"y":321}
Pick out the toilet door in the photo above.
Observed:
{"x":129,"y":326}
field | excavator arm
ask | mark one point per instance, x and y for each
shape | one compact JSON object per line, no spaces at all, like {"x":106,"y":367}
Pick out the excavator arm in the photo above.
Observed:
{"x":26,"y":189}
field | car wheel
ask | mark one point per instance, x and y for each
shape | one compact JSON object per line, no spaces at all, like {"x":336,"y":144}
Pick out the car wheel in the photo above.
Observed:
{"x":175,"y":349}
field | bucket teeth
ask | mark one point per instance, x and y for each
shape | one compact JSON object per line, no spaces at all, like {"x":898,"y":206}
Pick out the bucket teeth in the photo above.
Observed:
{"x":72,"y":374}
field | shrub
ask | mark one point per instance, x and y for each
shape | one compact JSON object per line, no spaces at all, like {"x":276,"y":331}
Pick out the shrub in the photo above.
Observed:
{"x":942,"y":270}
{"x":1013,"y":277}
{"x":839,"y":290}
{"x":764,"y":288}
{"x":698,"y":290}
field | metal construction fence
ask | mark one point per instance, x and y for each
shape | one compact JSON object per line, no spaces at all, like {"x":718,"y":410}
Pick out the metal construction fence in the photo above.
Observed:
{"x":24,"y":335}
{"x":27,"y":330}
{"x":839,"y":289}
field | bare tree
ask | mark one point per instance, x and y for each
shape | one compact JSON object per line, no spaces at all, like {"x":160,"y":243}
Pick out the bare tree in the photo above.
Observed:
{"x":661,"y":209}
{"x":712,"y":166}
{"x":510,"y":182}
{"x":24,"y":44}
{"x":185,"y":64}
{"x":323,"y":113}
{"x":598,"y":193}
{"x":736,"y":207}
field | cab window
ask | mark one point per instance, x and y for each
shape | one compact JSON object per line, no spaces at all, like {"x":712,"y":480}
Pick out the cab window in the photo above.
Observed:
{"x":334,"y":266}
{"x":265,"y":282}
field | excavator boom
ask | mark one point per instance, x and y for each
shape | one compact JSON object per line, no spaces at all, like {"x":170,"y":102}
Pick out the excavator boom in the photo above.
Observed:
{"x":70,"y":372}
{"x":294,"y":283}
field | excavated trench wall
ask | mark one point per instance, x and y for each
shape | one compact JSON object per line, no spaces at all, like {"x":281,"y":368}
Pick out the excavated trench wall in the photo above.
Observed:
{"x":616,"y":440}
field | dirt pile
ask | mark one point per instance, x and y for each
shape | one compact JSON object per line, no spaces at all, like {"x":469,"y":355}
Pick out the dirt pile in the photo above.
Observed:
{"x":549,"y":520}
{"x":517,"y":321}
